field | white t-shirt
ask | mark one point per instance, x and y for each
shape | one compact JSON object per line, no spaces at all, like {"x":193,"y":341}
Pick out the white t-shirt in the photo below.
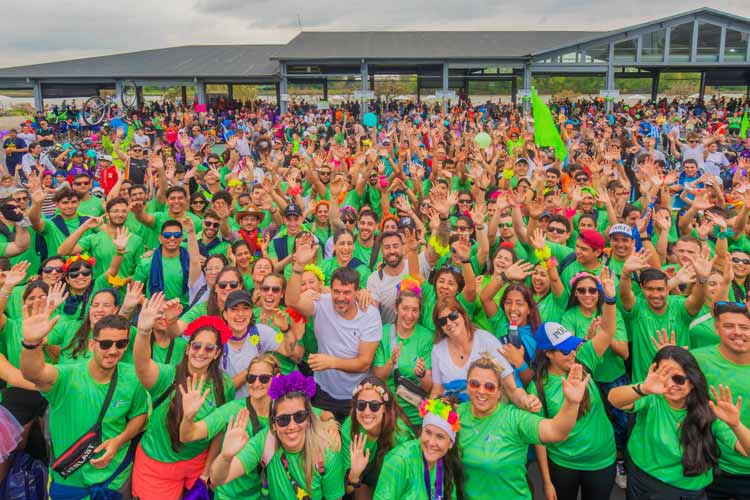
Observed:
{"x":714,"y":163}
{"x":235,"y":360}
{"x":384,"y":290}
{"x":453,"y":377}
{"x":341,"y":337}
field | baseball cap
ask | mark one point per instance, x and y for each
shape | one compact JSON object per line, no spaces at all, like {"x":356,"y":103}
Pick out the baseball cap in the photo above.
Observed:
{"x":592,"y":238}
{"x":551,"y":335}
{"x":622,"y":229}
{"x":292,"y":210}
{"x":238,"y":297}
{"x":105,"y":158}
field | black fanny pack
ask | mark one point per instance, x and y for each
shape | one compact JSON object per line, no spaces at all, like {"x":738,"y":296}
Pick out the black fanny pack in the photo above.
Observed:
{"x":80,"y":452}
{"x":406,"y":389}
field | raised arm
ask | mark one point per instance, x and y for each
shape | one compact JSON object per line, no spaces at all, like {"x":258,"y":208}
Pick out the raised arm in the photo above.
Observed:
{"x":145,"y":367}
{"x":634,"y":263}
{"x":35,"y":330}
{"x":70,"y":246}
{"x":696,"y":299}
{"x":304,"y":254}
{"x":193,"y":251}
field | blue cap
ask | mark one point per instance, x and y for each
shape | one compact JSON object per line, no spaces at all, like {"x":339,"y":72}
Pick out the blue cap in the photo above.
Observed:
{"x":552,"y":335}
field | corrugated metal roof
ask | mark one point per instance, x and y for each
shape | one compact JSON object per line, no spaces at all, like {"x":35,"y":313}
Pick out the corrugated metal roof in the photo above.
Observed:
{"x":424,"y":44}
{"x":186,"y":62}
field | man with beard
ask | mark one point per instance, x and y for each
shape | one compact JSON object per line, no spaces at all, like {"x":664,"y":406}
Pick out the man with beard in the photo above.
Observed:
{"x":177,"y":209}
{"x":82,"y":394}
{"x":90,"y":205}
{"x":364,"y":244}
{"x":100,"y":244}
{"x":280,"y":249}
{"x":382,"y":283}
{"x":728,"y":363}
{"x":347,"y":333}
{"x":210,"y":241}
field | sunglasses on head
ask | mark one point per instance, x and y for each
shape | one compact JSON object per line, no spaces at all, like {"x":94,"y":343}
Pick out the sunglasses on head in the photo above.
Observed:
{"x":286,"y":419}
{"x":488,"y":386}
{"x":211,"y":224}
{"x":587,"y":290}
{"x":269,"y":288}
{"x":740,"y":260}
{"x":52,"y":269}
{"x":107,"y":344}
{"x":443,"y":320}
{"x":556,"y":230}
{"x":208,"y":347}
{"x":231,"y":284}
{"x":81,"y":272}
{"x":169,"y":235}
{"x":374,"y":405}
{"x":264,"y":379}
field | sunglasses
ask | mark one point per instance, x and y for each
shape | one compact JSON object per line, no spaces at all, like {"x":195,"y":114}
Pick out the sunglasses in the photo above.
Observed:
{"x":740,"y":260}
{"x":169,"y":235}
{"x":106,"y":345}
{"x":269,"y":288}
{"x":582,"y":179}
{"x":679,"y":379}
{"x":264,"y":379}
{"x":349,"y":221}
{"x":52,"y":269}
{"x":82,"y":272}
{"x":555,"y":230}
{"x":443,"y":320}
{"x":374,"y":405}
{"x":202,"y":202}
{"x":286,"y":419}
{"x":488,"y":386}
{"x":505,"y":224}
{"x":208,"y":347}
{"x":213,"y":162}
{"x":231,"y":284}
{"x":465,"y":201}
{"x":211,"y":224}
{"x":587,"y":290}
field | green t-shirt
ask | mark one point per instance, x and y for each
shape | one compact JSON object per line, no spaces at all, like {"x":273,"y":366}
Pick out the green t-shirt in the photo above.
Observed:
{"x":100,"y":246}
{"x":429,"y":300}
{"x":719,"y":370}
{"x":644,"y":323}
{"x":402,"y":475}
{"x":31,"y":255}
{"x":701,"y":330}
{"x":52,"y":235}
{"x":330,"y":265}
{"x":613,"y":365}
{"x":151,"y":234}
{"x":363,"y":254}
{"x":418,"y":345}
{"x":495,"y":451}
{"x":480,"y":318}
{"x":401,"y":434}
{"x":91,"y":207}
{"x":574,"y":268}
{"x":160,"y":354}
{"x":195,"y":312}
{"x":658,"y":423}
{"x":173,"y":277}
{"x":551,"y":308}
{"x":156,"y":442}
{"x":75,"y":402}
{"x":591,"y":443}
{"x":329,"y":485}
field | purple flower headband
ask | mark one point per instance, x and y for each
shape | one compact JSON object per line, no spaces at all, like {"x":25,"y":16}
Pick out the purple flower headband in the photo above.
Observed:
{"x":294,"y":382}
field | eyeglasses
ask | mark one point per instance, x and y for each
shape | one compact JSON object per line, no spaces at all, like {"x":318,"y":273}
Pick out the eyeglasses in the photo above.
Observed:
{"x":82,"y":272}
{"x":211,"y":224}
{"x":590,"y":290}
{"x":231,"y":284}
{"x":170,"y":235}
{"x":679,"y":379}
{"x":555,"y":230}
{"x":264,"y":379}
{"x":208,"y":347}
{"x":374,"y":405}
{"x":740,"y":260}
{"x":269,"y":288}
{"x":107,"y":344}
{"x":52,"y":269}
{"x":488,"y":386}
{"x":286,"y":419}
{"x":443,"y":320}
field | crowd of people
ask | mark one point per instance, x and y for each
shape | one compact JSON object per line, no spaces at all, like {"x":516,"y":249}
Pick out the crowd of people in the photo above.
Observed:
{"x":239,"y":303}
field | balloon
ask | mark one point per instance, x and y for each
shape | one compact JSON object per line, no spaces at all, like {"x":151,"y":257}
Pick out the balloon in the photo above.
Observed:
{"x":370,"y":120}
{"x":483,"y":140}
{"x":116,"y":123}
{"x":91,"y":153}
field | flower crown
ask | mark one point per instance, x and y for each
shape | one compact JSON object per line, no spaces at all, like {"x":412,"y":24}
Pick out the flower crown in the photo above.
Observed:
{"x":441,"y":409}
{"x":367,"y":385}
{"x":75,"y":258}
{"x":318,"y":272}
{"x":214,"y":322}
{"x":583,"y":274}
{"x":411,"y":284}
{"x":294,"y":382}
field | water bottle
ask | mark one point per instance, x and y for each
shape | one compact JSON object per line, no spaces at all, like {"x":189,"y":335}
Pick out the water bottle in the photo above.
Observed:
{"x":513,"y":336}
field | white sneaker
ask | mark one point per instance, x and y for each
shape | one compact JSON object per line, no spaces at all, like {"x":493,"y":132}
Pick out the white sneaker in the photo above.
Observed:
{"x":621,"y":478}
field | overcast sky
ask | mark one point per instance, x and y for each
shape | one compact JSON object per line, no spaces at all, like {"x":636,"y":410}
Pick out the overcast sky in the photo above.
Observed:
{"x":52,"y":30}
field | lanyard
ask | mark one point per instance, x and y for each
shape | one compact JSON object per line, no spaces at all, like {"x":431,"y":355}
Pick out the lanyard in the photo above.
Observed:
{"x":438,"y":480}
{"x":300,"y":493}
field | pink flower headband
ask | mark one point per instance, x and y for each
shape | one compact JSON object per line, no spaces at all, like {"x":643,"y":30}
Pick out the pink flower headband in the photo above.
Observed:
{"x":583,"y":274}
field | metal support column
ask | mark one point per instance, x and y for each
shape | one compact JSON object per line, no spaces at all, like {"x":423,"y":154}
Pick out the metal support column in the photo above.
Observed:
{"x":138,"y":96}
{"x":230,"y":91}
{"x":278,"y":94}
{"x":364,"y":84}
{"x":200,"y":90}
{"x":372,"y":82}
{"x":283,"y":93}
{"x":513,"y":90}
{"x":446,"y":85}
{"x":702,"y":89}
{"x":655,"y":85}
{"x":527,"y":74}
{"x":325,"y":89}
{"x":419,"y":83}
{"x":183,"y":95}
{"x":38,"y":97}
{"x":610,"y":75}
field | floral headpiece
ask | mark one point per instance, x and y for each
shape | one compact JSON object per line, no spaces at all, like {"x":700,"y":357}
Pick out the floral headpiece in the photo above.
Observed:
{"x":411,"y":284}
{"x":81,"y":256}
{"x":294,"y":382}
{"x":440,"y":414}
{"x":367,"y":385}
{"x":583,"y":274}
{"x":318,"y":272}
{"x":218,"y":324}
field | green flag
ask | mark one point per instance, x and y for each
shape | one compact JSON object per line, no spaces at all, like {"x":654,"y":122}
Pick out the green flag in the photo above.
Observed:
{"x":545,"y":130}
{"x":744,"y":125}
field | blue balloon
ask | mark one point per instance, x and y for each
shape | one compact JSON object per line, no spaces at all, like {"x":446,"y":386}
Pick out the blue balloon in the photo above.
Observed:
{"x":370,"y":120}
{"x":119,"y":123}
{"x":91,"y":153}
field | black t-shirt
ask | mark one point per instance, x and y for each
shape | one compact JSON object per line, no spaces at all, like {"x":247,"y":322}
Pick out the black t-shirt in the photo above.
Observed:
{"x":137,"y":171}
{"x":46,"y":143}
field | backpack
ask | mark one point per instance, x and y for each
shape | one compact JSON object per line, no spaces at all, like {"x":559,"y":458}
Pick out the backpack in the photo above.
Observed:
{"x":26,"y":480}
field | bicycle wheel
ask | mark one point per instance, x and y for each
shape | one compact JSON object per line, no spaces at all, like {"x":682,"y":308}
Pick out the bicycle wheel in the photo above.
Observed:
{"x":129,"y":95}
{"x":94,"y":110}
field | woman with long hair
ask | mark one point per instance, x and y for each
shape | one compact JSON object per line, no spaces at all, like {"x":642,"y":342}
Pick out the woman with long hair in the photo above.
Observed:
{"x":50,"y":271}
{"x":740,"y":262}
{"x":261,"y":370}
{"x":262,"y":267}
{"x":243,"y":260}
{"x":495,"y":437}
{"x":343,"y":256}
{"x":79,"y":280}
{"x":305,"y":461}
{"x":228,"y":280}
{"x":505,"y":256}
{"x":201,"y":289}
{"x":405,"y":350}
{"x":375,"y":425}
{"x":164,"y":467}
{"x":429,"y":466}
{"x":673,"y":449}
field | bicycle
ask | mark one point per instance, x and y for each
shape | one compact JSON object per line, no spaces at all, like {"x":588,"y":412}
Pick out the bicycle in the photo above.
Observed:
{"x":96,"y":108}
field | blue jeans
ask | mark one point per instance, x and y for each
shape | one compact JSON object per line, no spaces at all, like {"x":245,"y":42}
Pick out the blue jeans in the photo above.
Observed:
{"x":618,"y":417}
